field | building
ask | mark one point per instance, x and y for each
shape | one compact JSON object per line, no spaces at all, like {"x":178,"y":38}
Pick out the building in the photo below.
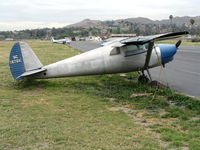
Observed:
{"x":9,"y":39}
{"x":123,"y":35}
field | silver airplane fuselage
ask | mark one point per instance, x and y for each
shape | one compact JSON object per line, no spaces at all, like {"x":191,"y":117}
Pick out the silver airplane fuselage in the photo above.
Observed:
{"x":101,"y":61}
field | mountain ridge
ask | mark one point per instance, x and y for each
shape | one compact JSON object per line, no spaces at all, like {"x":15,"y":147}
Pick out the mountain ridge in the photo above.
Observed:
{"x":88,"y":23}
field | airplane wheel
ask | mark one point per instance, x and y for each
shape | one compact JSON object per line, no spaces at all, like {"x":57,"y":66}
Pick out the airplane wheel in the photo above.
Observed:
{"x":143,"y":79}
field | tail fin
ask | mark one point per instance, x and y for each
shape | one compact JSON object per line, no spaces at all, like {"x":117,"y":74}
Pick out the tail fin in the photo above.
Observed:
{"x":23,"y":61}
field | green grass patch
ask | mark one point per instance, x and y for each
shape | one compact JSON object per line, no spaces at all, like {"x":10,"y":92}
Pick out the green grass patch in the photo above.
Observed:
{"x":184,"y":42}
{"x":77,"y":113}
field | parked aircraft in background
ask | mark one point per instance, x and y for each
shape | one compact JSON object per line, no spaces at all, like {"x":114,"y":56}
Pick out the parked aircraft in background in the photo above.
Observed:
{"x":61,"y":41}
{"x":125,"y":55}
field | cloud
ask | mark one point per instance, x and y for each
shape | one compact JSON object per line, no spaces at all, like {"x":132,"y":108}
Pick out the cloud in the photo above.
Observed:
{"x":11,"y":26}
{"x":62,"y":11}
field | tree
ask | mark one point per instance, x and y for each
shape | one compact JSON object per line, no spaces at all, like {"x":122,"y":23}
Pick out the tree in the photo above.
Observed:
{"x":118,"y":30}
{"x":171,"y":18}
{"x":131,"y":26}
{"x":192,"y":21}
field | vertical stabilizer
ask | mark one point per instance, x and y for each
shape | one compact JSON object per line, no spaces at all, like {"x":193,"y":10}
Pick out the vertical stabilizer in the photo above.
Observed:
{"x":31,"y":61}
{"x":23,"y":60}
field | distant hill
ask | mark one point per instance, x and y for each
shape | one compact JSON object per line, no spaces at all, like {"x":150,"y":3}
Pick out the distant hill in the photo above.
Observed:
{"x":181,"y":20}
{"x":87,"y":23}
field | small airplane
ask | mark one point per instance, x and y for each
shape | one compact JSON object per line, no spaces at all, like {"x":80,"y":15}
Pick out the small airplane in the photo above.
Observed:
{"x":125,"y":55}
{"x":61,"y":41}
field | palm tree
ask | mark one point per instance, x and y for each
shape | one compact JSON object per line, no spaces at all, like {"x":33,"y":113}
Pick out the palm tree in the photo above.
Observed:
{"x":171,"y":18}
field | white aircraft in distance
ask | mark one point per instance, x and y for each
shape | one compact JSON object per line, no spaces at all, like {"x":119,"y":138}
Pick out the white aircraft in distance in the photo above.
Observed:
{"x":61,"y":41}
{"x":127,"y":55}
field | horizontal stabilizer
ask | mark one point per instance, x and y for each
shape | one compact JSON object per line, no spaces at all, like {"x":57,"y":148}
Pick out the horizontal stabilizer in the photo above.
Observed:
{"x":28,"y":73}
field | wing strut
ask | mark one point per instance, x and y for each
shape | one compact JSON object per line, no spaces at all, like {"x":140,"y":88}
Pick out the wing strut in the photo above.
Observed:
{"x":149,"y":52}
{"x":148,"y":57}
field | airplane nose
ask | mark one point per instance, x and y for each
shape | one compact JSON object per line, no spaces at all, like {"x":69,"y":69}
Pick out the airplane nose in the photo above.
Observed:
{"x":167,"y":52}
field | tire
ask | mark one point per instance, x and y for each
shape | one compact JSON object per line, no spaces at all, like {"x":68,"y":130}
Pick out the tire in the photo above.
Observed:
{"x":143,"y":79}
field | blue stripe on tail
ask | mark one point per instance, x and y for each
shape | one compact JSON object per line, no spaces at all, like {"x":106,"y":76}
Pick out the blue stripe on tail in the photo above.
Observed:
{"x":16,"y":62}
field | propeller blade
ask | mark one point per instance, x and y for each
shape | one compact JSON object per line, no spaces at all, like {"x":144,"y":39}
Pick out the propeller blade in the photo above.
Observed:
{"x":149,"y":52}
{"x":178,"y":43}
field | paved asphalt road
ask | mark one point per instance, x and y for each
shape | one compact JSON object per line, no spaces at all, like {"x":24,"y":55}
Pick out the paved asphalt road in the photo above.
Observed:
{"x":183,"y":74}
{"x":85,"y":45}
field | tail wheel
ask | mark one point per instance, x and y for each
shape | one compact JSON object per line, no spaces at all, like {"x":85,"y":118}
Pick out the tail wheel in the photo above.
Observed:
{"x":143,"y":79}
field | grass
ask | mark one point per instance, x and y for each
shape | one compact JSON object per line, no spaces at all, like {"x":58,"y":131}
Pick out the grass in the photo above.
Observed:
{"x":184,"y":42}
{"x":91,"y":112}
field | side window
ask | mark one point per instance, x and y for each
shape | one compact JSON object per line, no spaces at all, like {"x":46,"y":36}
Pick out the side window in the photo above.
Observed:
{"x":115,"y":51}
{"x":146,"y":46}
{"x":131,"y":50}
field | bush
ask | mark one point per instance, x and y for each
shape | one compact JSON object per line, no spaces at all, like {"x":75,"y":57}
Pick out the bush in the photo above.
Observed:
{"x":196,"y":40}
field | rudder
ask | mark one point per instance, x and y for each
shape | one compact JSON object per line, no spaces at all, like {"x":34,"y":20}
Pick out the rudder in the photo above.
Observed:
{"x":23,"y":60}
{"x":16,"y":62}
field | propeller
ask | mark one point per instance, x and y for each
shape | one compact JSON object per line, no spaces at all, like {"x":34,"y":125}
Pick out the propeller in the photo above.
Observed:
{"x":178,"y":43}
{"x":162,"y":65}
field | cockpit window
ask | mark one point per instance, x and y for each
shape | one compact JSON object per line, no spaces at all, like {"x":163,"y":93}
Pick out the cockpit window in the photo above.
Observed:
{"x":115,"y":51}
{"x":131,"y":50}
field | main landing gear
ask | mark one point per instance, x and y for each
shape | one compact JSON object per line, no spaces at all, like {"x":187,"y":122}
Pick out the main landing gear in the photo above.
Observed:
{"x":143,"y":78}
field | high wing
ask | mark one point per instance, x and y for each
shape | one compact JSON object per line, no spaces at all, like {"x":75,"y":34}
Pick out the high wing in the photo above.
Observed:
{"x":147,"y":39}
{"x":112,"y":40}
{"x":119,"y":42}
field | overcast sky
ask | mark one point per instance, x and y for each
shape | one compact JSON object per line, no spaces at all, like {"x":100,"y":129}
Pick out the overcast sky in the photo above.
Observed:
{"x":29,"y":14}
